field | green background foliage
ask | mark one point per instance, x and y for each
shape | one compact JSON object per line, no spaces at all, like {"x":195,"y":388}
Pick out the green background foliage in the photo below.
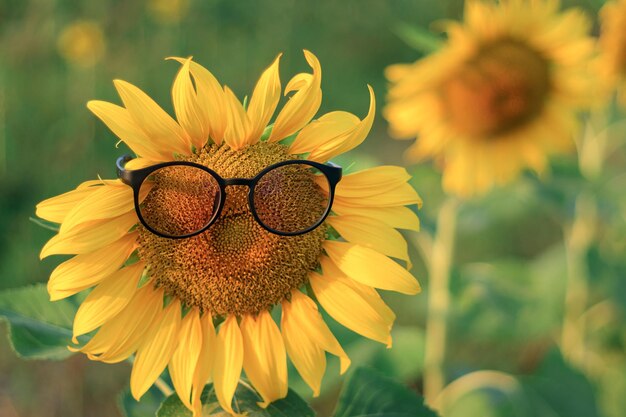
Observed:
{"x":509,"y":271}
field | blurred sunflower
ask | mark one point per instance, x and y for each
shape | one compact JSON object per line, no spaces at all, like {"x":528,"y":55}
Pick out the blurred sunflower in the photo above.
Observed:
{"x":613,"y":46}
{"x":201,"y":304}
{"x":500,"y":96}
{"x":82,"y":43}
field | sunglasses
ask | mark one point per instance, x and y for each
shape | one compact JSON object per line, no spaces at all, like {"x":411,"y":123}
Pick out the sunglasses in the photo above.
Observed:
{"x":306,"y":188}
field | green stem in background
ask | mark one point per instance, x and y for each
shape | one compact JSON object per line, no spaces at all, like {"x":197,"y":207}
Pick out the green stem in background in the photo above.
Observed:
{"x":163,"y":387}
{"x":439,"y":300}
{"x":579,"y":237}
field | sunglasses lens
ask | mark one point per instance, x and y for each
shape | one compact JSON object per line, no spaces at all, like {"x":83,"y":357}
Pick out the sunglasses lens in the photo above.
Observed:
{"x":289,"y":199}
{"x":180,"y":200}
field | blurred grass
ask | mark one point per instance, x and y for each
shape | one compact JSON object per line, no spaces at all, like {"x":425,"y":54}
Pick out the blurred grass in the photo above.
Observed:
{"x":508,"y":280}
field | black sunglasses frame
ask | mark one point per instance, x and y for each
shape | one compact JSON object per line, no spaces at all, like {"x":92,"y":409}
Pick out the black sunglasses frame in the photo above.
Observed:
{"x":134,"y":178}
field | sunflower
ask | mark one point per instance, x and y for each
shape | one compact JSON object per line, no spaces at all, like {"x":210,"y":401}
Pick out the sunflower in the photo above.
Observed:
{"x":613,"y":46}
{"x":499,"y":97}
{"x":186,"y":273}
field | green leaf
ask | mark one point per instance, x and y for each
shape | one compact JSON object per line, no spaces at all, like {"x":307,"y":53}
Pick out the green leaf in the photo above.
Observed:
{"x":418,"y":38}
{"x":558,"y":389}
{"x":147,"y":407}
{"x":245,"y":401}
{"x":368,"y":393}
{"x":38,"y":328}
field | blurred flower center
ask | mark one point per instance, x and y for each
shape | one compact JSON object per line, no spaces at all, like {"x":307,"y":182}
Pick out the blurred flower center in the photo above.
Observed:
{"x":503,"y":86}
{"x":235,"y":266}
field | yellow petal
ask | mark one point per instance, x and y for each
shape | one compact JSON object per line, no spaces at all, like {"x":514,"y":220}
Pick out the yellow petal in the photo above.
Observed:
{"x":306,"y":337}
{"x":332,"y":127}
{"x":106,"y":202}
{"x":306,"y":355}
{"x":265,"y":359}
{"x":372,"y":182}
{"x":55,"y":209}
{"x":90,"y":236}
{"x":107,"y":299}
{"x":205,"y":363}
{"x":350,"y":308}
{"x":398,"y":217}
{"x":187,"y":108}
{"x":84,"y":271}
{"x":353,"y":138}
{"x":156,"y":350}
{"x":121,"y":123}
{"x":183,"y":364}
{"x":238,"y":131}
{"x":301,"y":108}
{"x":369,"y":294}
{"x":372,"y":234}
{"x":228,"y":362}
{"x":210,"y":99}
{"x":384,"y":186}
{"x":264,"y":100}
{"x":370,"y":267}
{"x":120,"y":337}
{"x":159,"y":126}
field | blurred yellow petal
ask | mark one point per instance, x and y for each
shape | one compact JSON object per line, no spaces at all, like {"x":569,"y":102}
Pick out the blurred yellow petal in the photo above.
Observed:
{"x":205,"y":362}
{"x":182,"y":366}
{"x":370,"y":267}
{"x":210,"y":99}
{"x":159,"y":126}
{"x":156,"y":350}
{"x":84,"y":271}
{"x":265,"y":359}
{"x":121,"y":123}
{"x":306,"y":337}
{"x":90,"y":236}
{"x":190,"y":115}
{"x":350,"y":308}
{"x":104,"y":203}
{"x":107,"y":299}
{"x":238,"y":131}
{"x":120,"y":337}
{"x":398,"y":217}
{"x":337,"y":145}
{"x":55,"y":209}
{"x":264,"y":100}
{"x":373,"y":234}
{"x":228,"y":362}
{"x":301,"y":108}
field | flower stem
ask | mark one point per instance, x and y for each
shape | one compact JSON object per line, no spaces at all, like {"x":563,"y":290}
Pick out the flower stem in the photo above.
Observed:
{"x":439,"y":300}
{"x":579,"y":237}
{"x":163,"y":387}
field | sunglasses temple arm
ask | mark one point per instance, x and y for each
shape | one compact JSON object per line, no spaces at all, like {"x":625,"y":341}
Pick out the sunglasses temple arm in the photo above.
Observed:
{"x":123,"y":173}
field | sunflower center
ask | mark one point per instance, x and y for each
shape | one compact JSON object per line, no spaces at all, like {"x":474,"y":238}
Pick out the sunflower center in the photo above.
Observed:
{"x":235,"y":266}
{"x":502,"y":87}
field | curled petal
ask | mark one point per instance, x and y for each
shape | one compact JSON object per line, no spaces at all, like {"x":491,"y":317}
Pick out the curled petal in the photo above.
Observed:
{"x":301,"y":108}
